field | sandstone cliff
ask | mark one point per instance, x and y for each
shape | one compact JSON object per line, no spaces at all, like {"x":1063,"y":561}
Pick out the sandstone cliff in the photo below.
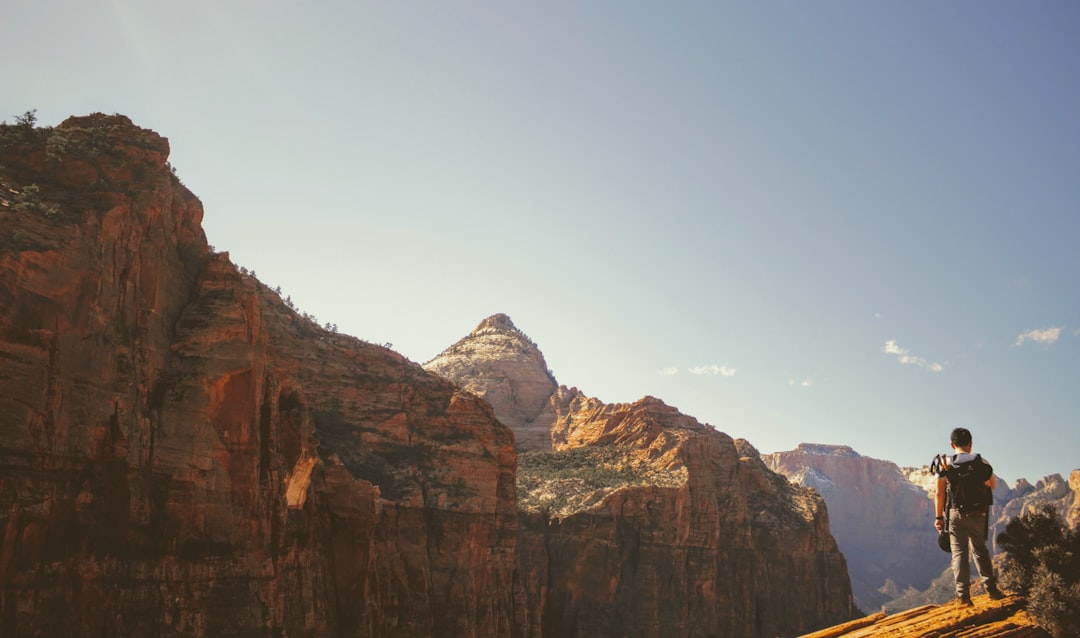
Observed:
{"x":1004,"y":618}
{"x":881,"y":521}
{"x":182,"y":455}
{"x":640,"y":521}
{"x":1023,"y":497}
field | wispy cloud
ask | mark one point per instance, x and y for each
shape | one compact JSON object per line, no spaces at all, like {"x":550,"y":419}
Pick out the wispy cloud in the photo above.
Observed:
{"x":1046,"y":336}
{"x":891,"y":347}
{"x":667,"y":372}
{"x":805,"y":383}
{"x":904,"y":357}
{"x":713,"y":370}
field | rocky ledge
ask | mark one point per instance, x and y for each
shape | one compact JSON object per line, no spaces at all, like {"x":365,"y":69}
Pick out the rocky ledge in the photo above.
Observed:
{"x":1004,"y":618}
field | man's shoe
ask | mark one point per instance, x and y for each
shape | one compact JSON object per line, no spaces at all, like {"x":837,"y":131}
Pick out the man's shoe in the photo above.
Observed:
{"x":994,"y":593}
{"x":964,"y":601}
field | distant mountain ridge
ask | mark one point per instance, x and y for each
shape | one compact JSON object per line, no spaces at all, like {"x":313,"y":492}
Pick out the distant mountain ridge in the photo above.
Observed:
{"x":881,"y":520}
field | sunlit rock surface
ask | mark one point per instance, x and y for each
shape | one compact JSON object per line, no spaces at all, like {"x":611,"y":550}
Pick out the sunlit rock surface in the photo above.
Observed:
{"x":1004,"y":618}
{"x":500,"y":364}
{"x":882,"y":522}
{"x":638,"y":520}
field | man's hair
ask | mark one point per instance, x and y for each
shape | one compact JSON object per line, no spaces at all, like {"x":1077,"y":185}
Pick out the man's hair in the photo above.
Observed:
{"x":960,"y":437}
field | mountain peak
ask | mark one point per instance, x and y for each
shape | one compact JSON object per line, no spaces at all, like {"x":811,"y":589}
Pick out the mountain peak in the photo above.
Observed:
{"x":499,"y":321}
{"x":502,"y":365}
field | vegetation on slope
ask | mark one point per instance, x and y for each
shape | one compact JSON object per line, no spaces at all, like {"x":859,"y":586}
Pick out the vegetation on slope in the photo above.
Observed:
{"x":562,"y":482}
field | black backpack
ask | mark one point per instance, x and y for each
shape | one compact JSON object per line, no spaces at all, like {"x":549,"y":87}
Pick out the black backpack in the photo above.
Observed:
{"x":968,"y":491}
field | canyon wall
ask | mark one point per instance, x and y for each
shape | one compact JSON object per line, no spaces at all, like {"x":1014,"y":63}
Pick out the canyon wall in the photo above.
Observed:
{"x":181,"y":454}
{"x":638,"y":520}
{"x":882,"y":522}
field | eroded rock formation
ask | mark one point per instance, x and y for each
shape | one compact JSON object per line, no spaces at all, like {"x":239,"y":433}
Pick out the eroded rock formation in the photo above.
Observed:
{"x":500,"y":364}
{"x":641,"y":521}
{"x":181,"y":454}
{"x":1024,"y":497}
{"x":881,"y":521}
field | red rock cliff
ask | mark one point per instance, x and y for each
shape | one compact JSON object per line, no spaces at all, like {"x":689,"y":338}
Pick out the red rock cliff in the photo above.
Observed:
{"x":882,"y":521}
{"x":732,"y":550}
{"x":640,"y":521}
{"x":182,"y":455}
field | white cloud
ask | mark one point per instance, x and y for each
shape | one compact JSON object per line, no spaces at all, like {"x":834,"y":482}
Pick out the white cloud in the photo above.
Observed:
{"x":891,"y":347}
{"x":1045,"y":336}
{"x":713,"y":370}
{"x":805,"y":383}
{"x":904,"y":357}
{"x":667,"y":372}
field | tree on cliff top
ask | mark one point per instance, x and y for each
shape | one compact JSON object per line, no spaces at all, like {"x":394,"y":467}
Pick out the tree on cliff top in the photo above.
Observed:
{"x":27,"y":119}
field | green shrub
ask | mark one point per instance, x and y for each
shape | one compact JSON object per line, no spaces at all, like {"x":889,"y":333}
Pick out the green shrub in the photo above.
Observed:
{"x":29,"y":199}
{"x":1055,"y":603}
{"x":1042,"y":562}
{"x":1027,"y":539}
{"x":56,"y":146}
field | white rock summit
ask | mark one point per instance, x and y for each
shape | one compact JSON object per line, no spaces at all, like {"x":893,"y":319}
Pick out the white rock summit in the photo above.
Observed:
{"x":500,"y":364}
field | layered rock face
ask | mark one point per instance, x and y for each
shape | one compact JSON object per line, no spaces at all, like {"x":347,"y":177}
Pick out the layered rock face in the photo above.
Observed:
{"x":181,"y":454}
{"x":1071,"y":506}
{"x":640,"y":521}
{"x":1024,"y":497}
{"x":881,"y":521}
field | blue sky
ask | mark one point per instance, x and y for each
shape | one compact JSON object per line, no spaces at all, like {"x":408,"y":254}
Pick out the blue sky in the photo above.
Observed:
{"x":834,"y":222}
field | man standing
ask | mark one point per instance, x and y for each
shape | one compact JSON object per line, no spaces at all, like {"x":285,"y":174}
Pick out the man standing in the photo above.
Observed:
{"x":965,"y":483}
